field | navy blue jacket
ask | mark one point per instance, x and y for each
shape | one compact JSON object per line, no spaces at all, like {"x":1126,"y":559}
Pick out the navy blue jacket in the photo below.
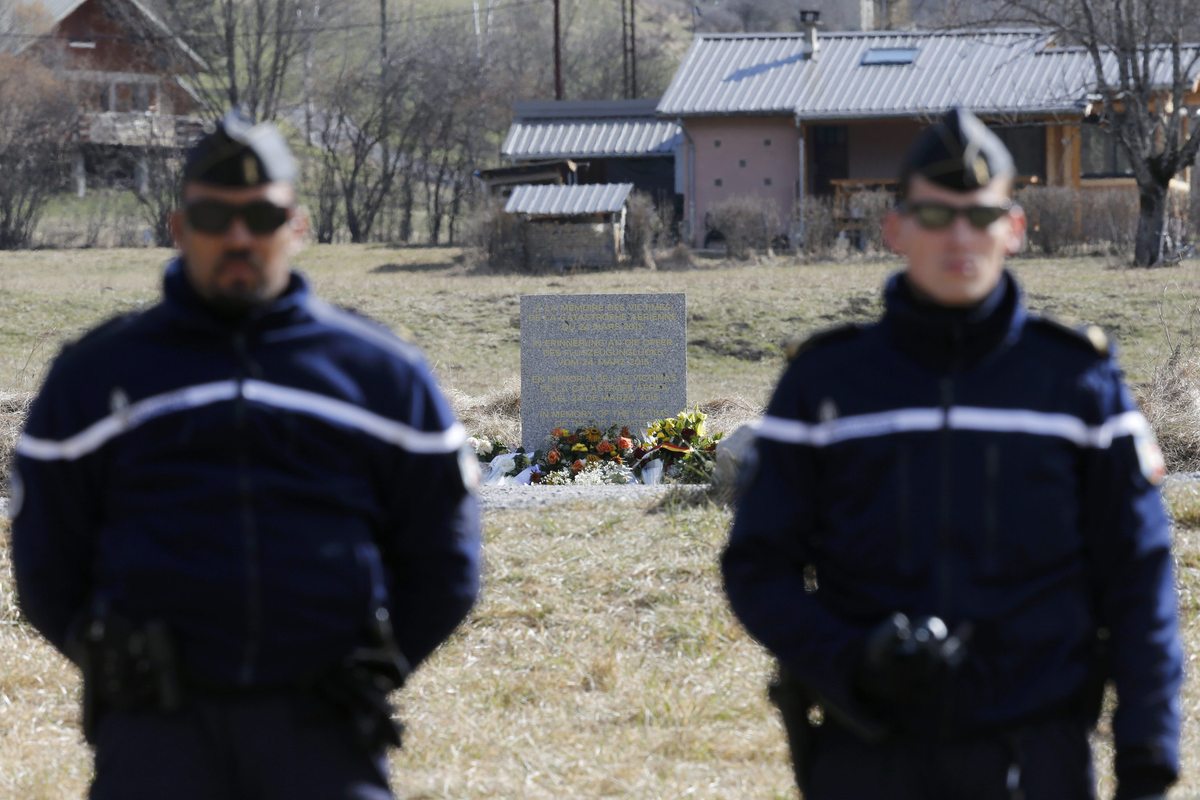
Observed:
{"x":982,"y":467}
{"x":260,"y":485}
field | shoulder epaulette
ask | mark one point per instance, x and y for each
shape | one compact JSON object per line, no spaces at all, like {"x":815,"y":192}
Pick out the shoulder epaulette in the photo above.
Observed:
{"x":795,"y":346}
{"x":1092,"y":337}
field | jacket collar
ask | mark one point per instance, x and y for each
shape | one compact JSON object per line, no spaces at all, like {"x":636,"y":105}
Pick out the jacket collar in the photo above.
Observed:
{"x":189,"y":308}
{"x":952,"y":339}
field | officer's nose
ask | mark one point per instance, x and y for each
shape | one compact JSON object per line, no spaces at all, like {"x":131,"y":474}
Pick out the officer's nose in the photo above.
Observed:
{"x":960,"y":229}
{"x":237,"y":232}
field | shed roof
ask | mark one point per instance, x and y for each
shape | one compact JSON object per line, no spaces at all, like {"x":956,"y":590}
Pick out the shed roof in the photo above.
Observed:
{"x":991,"y":71}
{"x":594,"y":129}
{"x":629,"y":138}
{"x":568,"y":201}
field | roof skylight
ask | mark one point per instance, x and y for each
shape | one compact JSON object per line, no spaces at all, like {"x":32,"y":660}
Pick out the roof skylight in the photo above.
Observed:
{"x":879,"y":56}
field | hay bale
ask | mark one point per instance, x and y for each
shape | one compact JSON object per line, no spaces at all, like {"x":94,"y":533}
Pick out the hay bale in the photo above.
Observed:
{"x":13,"y":408}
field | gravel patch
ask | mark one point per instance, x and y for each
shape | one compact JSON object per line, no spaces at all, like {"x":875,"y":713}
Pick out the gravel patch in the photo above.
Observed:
{"x":520,"y":497}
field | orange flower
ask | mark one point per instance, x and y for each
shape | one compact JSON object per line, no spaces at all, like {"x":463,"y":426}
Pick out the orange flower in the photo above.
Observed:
{"x":604,"y":447}
{"x":577,"y":465}
{"x":552,"y":457}
{"x":624,"y":443}
{"x":625,"y":432}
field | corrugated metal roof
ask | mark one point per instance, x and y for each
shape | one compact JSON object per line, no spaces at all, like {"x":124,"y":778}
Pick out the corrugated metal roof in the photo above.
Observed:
{"x":568,"y":201}
{"x":991,"y":72}
{"x":590,"y":138}
{"x":584,"y":109}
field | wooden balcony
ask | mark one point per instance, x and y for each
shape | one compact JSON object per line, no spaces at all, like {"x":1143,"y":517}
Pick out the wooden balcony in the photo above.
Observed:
{"x":137,"y":129}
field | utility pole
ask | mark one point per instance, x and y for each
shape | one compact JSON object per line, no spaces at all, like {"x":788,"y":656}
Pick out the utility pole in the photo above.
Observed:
{"x":629,"y":48}
{"x":624,"y":52}
{"x":558,"y":83}
{"x":633,"y":49}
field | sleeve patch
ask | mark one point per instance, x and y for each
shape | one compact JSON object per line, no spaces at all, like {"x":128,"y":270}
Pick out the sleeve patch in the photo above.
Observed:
{"x":16,"y":493}
{"x":468,"y":467}
{"x":1150,"y":458}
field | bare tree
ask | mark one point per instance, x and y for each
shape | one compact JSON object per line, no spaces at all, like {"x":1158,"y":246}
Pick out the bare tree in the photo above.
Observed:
{"x":366,"y":124}
{"x":38,"y":121}
{"x":1141,"y":72}
{"x":252,"y":49}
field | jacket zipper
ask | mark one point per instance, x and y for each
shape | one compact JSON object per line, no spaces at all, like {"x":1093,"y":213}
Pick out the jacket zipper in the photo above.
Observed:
{"x":945,"y":519}
{"x":991,"y":512}
{"x":250,"y":538}
{"x":946,"y":523}
{"x":903,"y":510}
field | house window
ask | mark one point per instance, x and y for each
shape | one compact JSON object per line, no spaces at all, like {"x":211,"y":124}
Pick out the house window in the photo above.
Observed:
{"x":81,"y":44}
{"x":1027,"y":143}
{"x":1102,"y":155}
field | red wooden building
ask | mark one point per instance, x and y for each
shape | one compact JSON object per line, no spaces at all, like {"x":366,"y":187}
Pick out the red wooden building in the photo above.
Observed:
{"x":129,"y":71}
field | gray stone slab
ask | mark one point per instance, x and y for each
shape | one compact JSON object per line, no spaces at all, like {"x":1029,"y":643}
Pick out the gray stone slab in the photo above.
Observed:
{"x":603,"y":359}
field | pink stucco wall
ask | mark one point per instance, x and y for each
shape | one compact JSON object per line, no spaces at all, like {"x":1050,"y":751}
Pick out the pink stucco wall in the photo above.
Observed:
{"x":732,"y":156}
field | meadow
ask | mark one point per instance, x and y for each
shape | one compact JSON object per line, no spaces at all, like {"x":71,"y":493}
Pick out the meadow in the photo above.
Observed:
{"x":601,"y":660}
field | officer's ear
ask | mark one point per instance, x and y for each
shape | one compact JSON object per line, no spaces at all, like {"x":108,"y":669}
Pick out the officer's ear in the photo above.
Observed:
{"x":298,"y":227}
{"x":1018,"y":223}
{"x":892,"y":236}
{"x":176,"y":224}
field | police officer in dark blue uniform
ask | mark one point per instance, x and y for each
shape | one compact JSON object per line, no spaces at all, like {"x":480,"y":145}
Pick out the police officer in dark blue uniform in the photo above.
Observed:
{"x":242,"y":511}
{"x":953,"y":536}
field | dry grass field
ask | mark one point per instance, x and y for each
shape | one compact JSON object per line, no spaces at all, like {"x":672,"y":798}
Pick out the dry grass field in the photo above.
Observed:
{"x":602,"y":660}
{"x":468,"y":322}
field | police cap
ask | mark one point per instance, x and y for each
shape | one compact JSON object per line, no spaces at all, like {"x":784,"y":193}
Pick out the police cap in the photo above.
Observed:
{"x":239,"y":153}
{"x":959,"y":153}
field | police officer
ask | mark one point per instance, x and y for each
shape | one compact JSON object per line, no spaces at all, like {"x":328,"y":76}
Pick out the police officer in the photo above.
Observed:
{"x":953,"y":536}
{"x":242,"y":511}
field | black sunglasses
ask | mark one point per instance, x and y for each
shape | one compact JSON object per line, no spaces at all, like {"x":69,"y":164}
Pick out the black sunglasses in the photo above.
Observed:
{"x":213,"y":216}
{"x":935,"y":216}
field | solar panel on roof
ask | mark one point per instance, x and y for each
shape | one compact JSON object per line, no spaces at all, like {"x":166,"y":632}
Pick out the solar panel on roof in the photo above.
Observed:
{"x":889,"y":55}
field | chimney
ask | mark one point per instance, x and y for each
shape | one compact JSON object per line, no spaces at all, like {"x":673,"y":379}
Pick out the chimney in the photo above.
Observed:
{"x":866,"y":15}
{"x":809,"y":20}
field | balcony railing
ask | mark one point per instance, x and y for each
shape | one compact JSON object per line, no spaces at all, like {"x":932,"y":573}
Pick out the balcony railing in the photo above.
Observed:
{"x":138,"y":129}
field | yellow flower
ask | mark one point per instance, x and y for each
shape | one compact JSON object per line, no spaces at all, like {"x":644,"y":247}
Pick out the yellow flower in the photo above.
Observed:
{"x":579,"y":447}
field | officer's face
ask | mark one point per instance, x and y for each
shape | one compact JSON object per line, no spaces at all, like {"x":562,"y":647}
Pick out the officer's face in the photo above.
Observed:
{"x":236,"y":242}
{"x":957,"y":264}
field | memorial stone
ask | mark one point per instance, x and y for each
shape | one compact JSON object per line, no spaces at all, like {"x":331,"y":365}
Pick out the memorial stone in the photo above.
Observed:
{"x":602,"y":359}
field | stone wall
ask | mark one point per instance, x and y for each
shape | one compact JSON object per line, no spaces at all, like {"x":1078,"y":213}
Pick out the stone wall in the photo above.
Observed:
{"x":567,"y":243}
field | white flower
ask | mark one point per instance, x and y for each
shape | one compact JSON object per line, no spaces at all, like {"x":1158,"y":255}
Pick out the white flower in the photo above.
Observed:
{"x":481,"y":446}
{"x":499,"y":468}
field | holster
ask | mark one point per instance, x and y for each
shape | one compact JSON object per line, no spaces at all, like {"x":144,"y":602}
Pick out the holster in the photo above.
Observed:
{"x":358,"y":688}
{"x":125,"y":667}
{"x":794,"y":701}
{"x":1091,"y":695}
